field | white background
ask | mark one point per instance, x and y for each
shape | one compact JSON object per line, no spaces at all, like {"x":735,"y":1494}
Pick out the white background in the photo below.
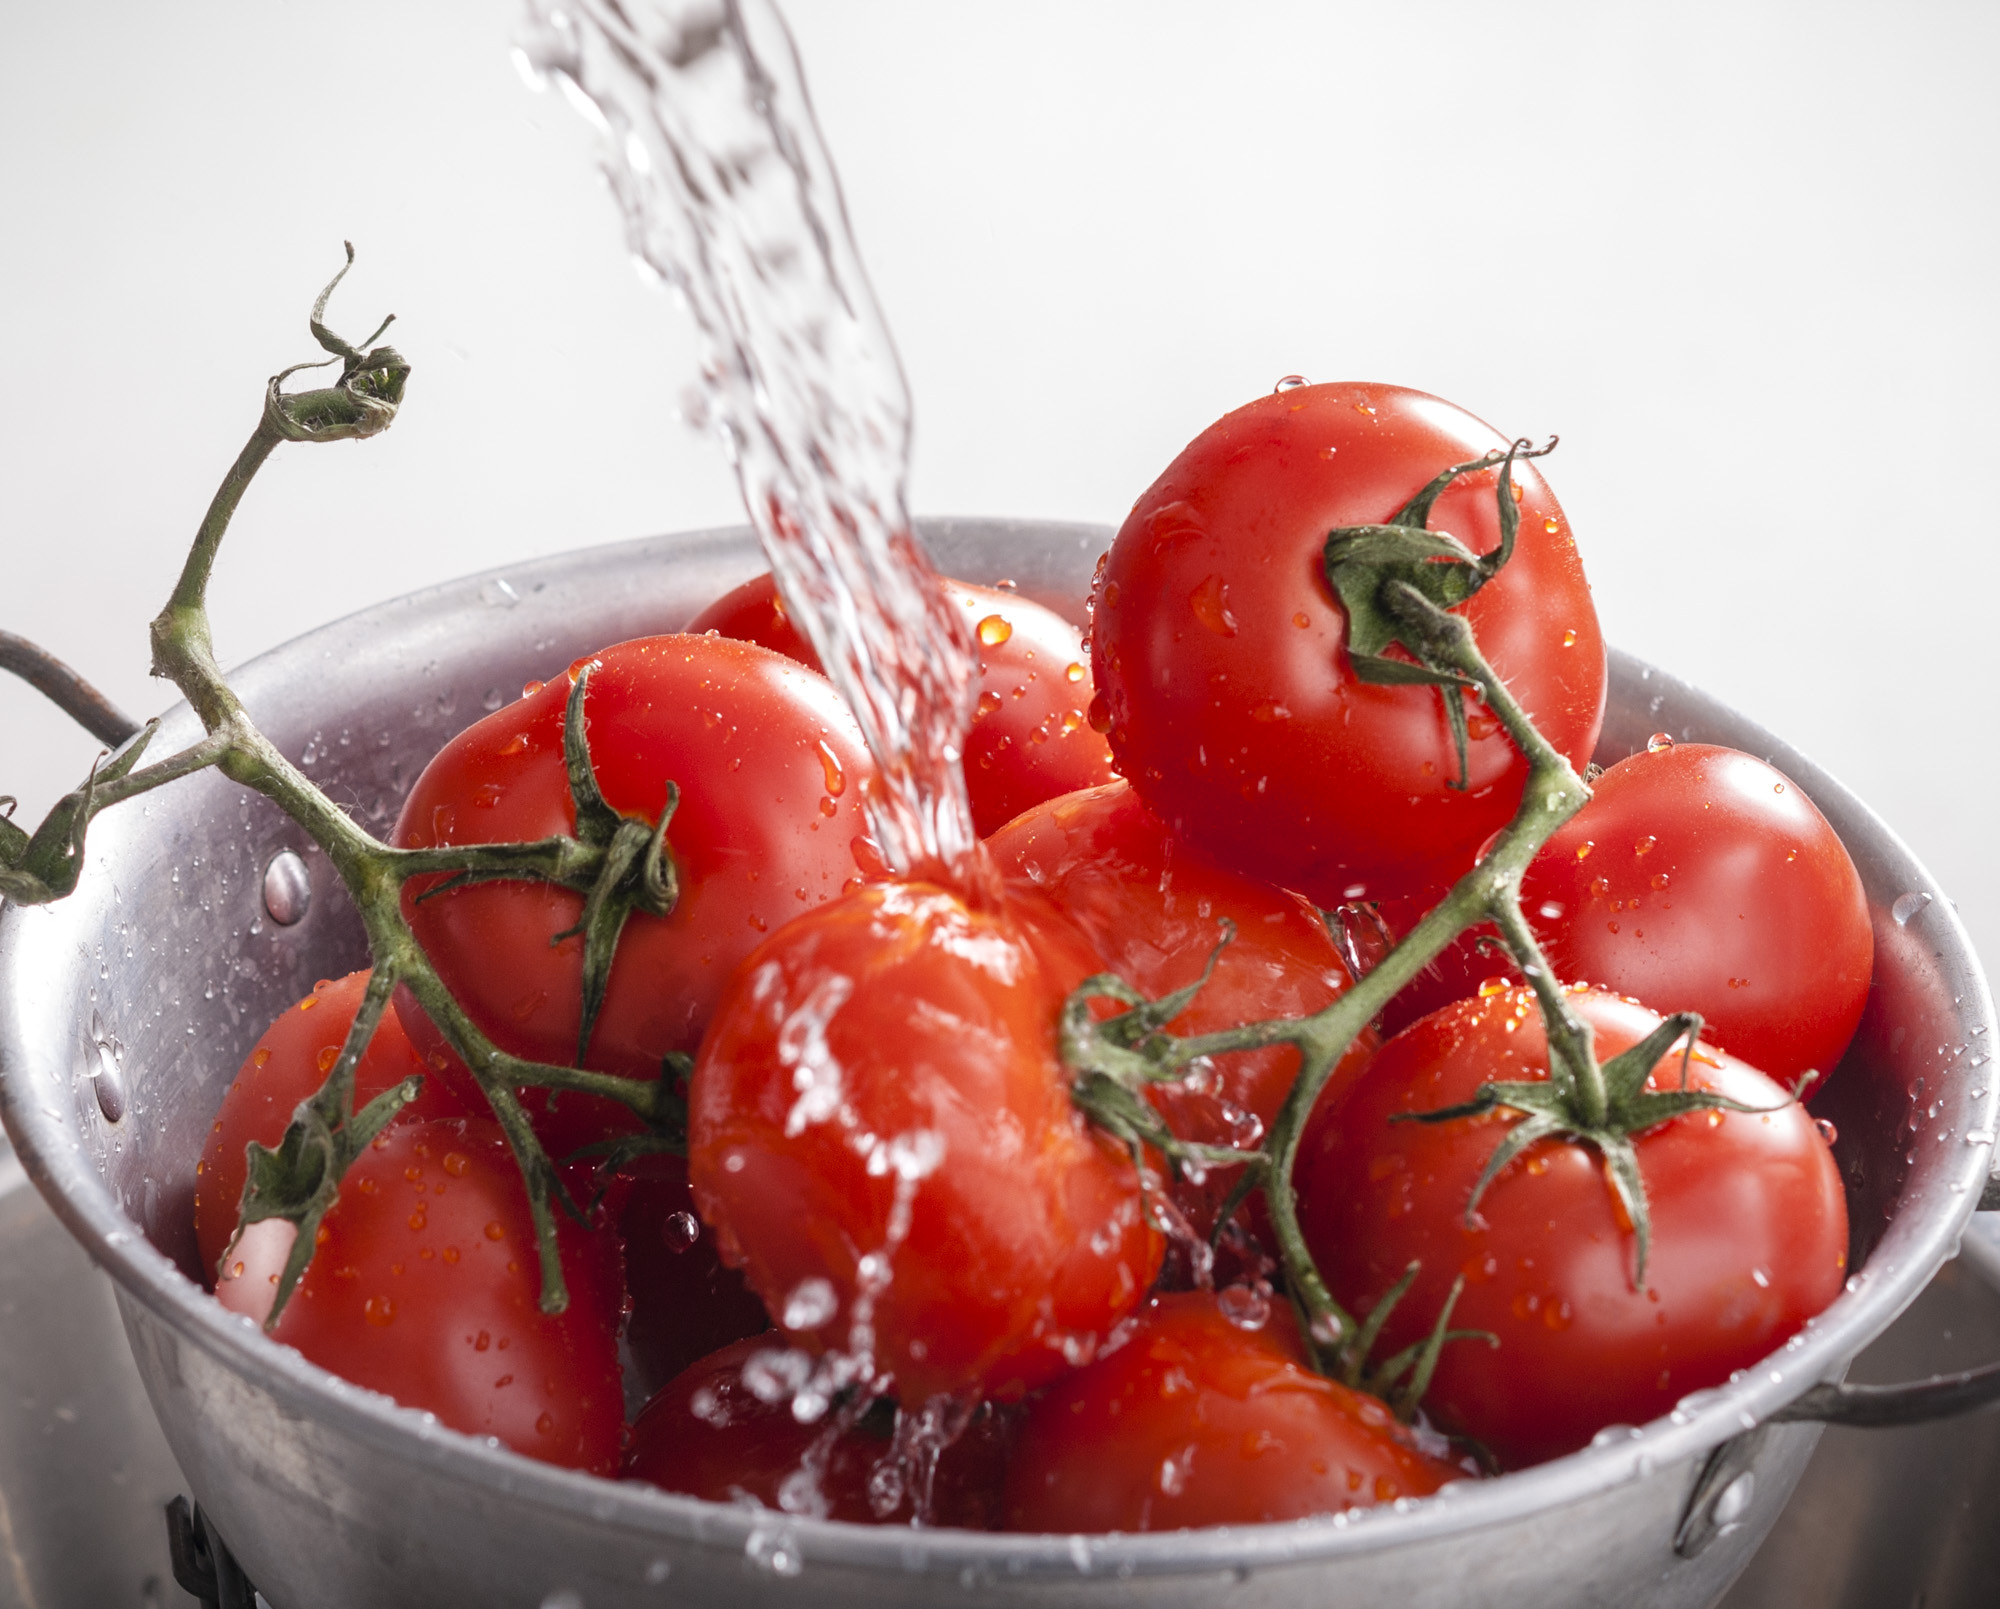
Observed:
{"x":1741,"y":257}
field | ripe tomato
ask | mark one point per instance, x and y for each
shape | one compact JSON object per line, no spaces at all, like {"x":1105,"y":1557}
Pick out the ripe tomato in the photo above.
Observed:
{"x":1029,"y":740}
{"x":1700,"y":879}
{"x":426,"y":1286}
{"x":1197,"y":1420}
{"x":287,"y":1066}
{"x":880,"y":1130}
{"x":685,"y":1301}
{"x":1220,"y":656}
{"x":1749,"y":1229}
{"x":771,"y":770}
{"x":1154,"y":907}
{"x":709,"y":1434}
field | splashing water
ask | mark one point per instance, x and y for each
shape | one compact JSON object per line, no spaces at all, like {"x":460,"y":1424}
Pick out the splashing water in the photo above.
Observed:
{"x":728,"y":194}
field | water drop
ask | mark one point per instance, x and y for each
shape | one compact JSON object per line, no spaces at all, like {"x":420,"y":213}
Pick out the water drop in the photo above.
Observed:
{"x":287,"y":888}
{"x":680,"y":1231}
{"x":994,"y":630}
{"x":810,"y":1305}
{"x":1290,"y":382}
{"x":1908,"y":906}
{"x":1659,"y":742}
{"x":1827,"y":1131}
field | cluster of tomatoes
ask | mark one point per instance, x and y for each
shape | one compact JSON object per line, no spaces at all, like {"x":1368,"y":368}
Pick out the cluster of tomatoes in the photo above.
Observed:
{"x":899,"y":1274}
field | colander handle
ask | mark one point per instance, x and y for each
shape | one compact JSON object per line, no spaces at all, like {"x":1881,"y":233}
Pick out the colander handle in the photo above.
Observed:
{"x":1912,"y":1403}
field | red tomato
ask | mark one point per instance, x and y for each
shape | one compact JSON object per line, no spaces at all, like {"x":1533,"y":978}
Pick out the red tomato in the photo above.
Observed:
{"x":881,"y":1132}
{"x":288,"y":1066}
{"x":1700,"y":879}
{"x":708,"y":1434}
{"x":1749,"y":1229}
{"x":426,"y":1286}
{"x":1154,"y":908}
{"x":1220,"y":652}
{"x":1029,"y":740}
{"x":771,"y":770}
{"x":1197,"y":1420}
{"x":685,"y":1301}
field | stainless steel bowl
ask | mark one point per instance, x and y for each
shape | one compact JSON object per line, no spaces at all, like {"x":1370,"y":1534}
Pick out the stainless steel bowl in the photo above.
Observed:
{"x":125,"y":1010}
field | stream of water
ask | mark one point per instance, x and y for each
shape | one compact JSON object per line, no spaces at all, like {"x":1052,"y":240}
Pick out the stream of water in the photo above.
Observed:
{"x":728,"y":194}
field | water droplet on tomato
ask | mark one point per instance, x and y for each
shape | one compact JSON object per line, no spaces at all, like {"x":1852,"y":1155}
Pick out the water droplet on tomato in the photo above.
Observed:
{"x":1659,"y":879}
{"x":1659,"y":742}
{"x":1556,"y":1314}
{"x":1552,"y":525}
{"x":495,"y":1230}
{"x":829,"y":764}
{"x":1645,"y":845}
{"x":379,"y":1311}
{"x":1492,"y":986}
{"x":1569,"y":638}
{"x":1551,"y":908}
{"x":517,"y":744}
{"x":530,"y":689}
{"x":1072,"y":719}
{"x":994,"y":630}
{"x":1583,"y":849}
{"x":1074,"y":673}
{"x":1290,"y":382}
{"x":1210,"y":603}
{"x":545,"y":1424}
{"x":680,"y":1230}
{"x":1827,"y":1131}
{"x":1099,"y":714}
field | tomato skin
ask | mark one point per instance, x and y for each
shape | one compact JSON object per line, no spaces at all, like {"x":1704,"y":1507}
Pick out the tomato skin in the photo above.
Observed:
{"x":1154,"y":906}
{"x":1712,"y":884}
{"x":1219,"y":648}
{"x":1749,"y":1230}
{"x":897,"y":1044}
{"x":287,"y":1066}
{"x":1030,"y":739}
{"x":426,"y":1284}
{"x":1196,"y":1421}
{"x":771,"y":769}
{"x":707,"y":1434}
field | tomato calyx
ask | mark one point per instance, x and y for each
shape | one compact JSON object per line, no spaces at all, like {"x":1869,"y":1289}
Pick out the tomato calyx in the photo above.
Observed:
{"x":1397,"y":580}
{"x":1562,"y":1107}
{"x":1116,"y":1057}
{"x":38,"y":867}
{"x":1402,"y":1378}
{"x":299,"y":1180}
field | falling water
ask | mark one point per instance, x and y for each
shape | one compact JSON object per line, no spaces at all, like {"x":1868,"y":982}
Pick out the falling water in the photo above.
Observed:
{"x":728,"y":194}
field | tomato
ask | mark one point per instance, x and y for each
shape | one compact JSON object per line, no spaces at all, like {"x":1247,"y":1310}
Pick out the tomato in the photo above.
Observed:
{"x":426,"y":1286}
{"x":288,"y":1066}
{"x":1219,"y":648}
{"x":1200,"y":1420}
{"x":685,"y":1301}
{"x":1700,"y":879}
{"x":1749,"y":1229}
{"x":771,"y":770}
{"x":1154,"y":908}
{"x":1030,"y":739}
{"x":881,"y":1133}
{"x":709,"y":1434}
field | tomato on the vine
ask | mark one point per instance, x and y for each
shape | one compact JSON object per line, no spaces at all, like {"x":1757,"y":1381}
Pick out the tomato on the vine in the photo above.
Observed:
{"x":771,"y":769}
{"x":1030,"y":738}
{"x":1748,"y":1228}
{"x":1204,"y":1418}
{"x":1154,"y":907}
{"x":881,"y":1131}
{"x":287,"y":1066}
{"x":1221,"y":661}
{"x":426,"y":1285}
{"x":1701,"y":879}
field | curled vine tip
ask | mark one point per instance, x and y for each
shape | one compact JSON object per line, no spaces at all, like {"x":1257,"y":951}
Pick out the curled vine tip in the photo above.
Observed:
{"x":362,"y":403}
